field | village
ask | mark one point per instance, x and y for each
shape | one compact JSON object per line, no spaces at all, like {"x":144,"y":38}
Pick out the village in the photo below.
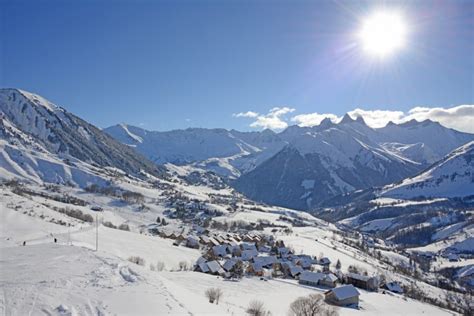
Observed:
{"x":232,"y":256}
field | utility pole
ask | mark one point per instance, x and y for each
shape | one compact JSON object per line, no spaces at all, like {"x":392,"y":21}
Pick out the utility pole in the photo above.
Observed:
{"x":97,"y":231}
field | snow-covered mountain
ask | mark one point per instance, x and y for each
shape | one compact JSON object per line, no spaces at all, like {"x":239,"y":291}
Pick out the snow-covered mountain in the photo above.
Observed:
{"x":41,"y":141}
{"x":424,"y":142}
{"x":452,"y":176}
{"x":432,"y":209}
{"x":224,"y":152}
{"x":302,"y":166}
{"x":323,"y":162}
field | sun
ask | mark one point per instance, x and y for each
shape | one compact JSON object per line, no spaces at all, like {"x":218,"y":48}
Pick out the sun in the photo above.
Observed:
{"x":383,"y":33}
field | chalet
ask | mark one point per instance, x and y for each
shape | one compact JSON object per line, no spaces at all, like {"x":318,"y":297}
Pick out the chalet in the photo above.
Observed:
{"x":199,"y":229}
{"x":233,"y":247}
{"x":153,"y":229}
{"x":265,"y":248}
{"x":192,"y":242}
{"x":249,"y":238}
{"x":324,"y":261}
{"x":232,"y":240}
{"x":248,"y":246}
{"x":265,"y":261}
{"x":363,"y":281}
{"x":219,"y":239}
{"x":310,"y":278}
{"x":394,"y":287}
{"x":328,"y":280}
{"x":229,"y":264}
{"x":219,"y":251}
{"x":248,"y":255}
{"x":213,"y":241}
{"x":202,"y":267}
{"x":203,"y":239}
{"x":304,"y":261}
{"x":346,"y":295}
{"x":283,"y":252}
{"x":180,"y":238}
{"x":290,"y":269}
{"x":255,"y":268}
{"x":215,"y":268}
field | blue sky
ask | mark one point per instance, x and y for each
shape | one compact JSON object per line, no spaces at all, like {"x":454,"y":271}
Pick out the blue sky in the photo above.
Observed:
{"x":178,"y":64}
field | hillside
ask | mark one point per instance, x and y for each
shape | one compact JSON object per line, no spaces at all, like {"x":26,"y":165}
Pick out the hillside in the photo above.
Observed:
{"x":41,"y":140}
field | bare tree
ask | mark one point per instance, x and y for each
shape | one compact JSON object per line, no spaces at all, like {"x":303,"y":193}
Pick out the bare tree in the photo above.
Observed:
{"x":256,"y":308}
{"x":311,"y":305}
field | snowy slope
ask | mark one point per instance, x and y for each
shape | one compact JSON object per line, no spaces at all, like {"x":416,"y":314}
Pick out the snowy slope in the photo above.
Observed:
{"x":69,"y":278}
{"x":30,"y":122}
{"x":452,"y":176}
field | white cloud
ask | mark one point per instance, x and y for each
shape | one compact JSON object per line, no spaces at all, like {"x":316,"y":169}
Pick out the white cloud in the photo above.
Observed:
{"x":378,"y":118}
{"x":313,"y":119}
{"x":274,"y":119}
{"x":460,"y":117}
{"x":245,"y":114}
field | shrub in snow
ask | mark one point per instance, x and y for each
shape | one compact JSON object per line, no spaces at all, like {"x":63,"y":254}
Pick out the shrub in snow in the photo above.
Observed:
{"x":183,"y":266}
{"x":137,"y":260}
{"x":75,"y":214}
{"x":124,"y":227}
{"x":214,"y":295}
{"x":110,"y":225}
{"x":160,"y":266}
{"x":133,"y":197}
{"x":256,"y":308}
{"x":311,"y":305}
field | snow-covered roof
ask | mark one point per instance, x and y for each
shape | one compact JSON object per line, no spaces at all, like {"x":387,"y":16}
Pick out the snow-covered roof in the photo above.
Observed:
{"x":213,"y":266}
{"x":257,"y":267}
{"x":324,"y":261}
{"x":249,"y":254}
{"x":330,"y":277}
{"x":265,"y":260}
{"x":201,"y":260}
{"x":345,"y":292}
{"x":294,"y":270}
{"x":356,"y":276}
{"x":205,"y":239}
{"x":308,"y":276}
{"x":204,"y":267}
{"x":248,"y":246}
{"x":220,"y":250}
{"x":229,"y":264}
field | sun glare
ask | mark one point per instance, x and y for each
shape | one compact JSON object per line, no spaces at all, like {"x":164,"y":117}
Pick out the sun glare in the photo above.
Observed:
{"x":383,"y":33}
